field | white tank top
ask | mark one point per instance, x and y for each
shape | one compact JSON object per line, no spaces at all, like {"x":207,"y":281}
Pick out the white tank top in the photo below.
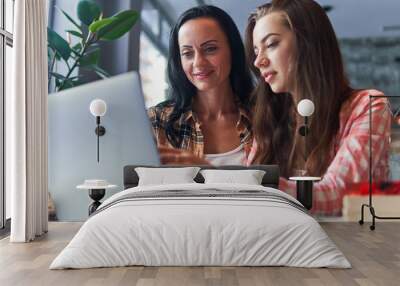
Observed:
{"x":233,"y":157}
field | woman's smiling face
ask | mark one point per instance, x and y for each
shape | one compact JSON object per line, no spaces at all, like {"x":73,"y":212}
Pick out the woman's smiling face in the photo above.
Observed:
{"x":274,"y":48}
{"x":205,"y":53}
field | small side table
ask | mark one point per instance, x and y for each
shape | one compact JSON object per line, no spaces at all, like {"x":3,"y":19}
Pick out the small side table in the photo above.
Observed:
{"x":304,"y":187}
{"x":96,"y":193}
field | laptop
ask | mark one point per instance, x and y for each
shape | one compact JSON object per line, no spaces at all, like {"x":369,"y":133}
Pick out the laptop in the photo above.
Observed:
{"x":129,"y":136}
{"x":72,"y":141}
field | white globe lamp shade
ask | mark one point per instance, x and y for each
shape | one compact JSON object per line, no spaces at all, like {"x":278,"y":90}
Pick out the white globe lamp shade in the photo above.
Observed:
{"x":305,"y":107}
{"x":98,"y":107}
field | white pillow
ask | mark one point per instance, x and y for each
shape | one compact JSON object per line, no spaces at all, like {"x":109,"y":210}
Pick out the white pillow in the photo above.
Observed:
{"x":248,"y":177}
{"x":163,"y":176}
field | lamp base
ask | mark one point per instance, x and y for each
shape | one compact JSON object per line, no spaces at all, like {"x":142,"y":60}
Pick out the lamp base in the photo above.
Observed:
{"x":304,"y":186}
{"x":96,"y":195}
{"x":304,"y":193}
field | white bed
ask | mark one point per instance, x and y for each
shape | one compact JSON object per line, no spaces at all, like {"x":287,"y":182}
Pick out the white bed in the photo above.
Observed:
{"x":224,"y":225}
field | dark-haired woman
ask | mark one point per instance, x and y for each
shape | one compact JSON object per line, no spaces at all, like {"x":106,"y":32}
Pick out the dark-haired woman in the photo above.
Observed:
{"x":296,"y":56}
{"x":210,"y":83}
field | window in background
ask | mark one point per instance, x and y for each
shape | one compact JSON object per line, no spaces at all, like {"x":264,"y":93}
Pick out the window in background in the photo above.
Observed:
{"x":8,"y":73}
{"x":9,"y":15}
{"x":2,"y":195}
{"x":6,"y":44}
{"x":152,"y":71}
{"x":156,"y":25}
{"x":151,"y":17}
{"x":166,"y":28}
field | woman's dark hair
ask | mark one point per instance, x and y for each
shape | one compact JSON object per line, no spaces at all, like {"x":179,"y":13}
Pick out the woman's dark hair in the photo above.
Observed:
{"x":319,"y":75}
{"x":181,"y":90}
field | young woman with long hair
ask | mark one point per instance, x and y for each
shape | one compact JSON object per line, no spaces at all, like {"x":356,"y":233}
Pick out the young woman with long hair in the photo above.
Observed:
{"x":206,"y":114}
{"x":295,"y":56}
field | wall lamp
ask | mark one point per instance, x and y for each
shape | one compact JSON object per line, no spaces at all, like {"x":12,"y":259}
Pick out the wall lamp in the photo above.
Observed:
{"x":304,"y":184}
{"x":305,"y":108}
{"x":98,"y":108}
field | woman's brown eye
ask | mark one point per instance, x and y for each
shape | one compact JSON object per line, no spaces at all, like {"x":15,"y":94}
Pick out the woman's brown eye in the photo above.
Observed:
{"x":186,"y":54}
{"x":210,"y":49}
{"x":273,"y":44}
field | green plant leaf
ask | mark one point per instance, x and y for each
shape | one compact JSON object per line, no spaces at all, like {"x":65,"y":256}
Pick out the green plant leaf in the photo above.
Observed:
{"x":54,"y":53}
{"x":51,"y":53}
{"x":94,"y":45}
{"x":75,"y":54}
{"x":70,"y":18}
{"x":75,"y":33}
{"x":90,"y":58}
{"x":60,"y":45}
{"x":95,"y":26}
{"x":121,"y":24}
{"x":88,"y":11}
{"x":58,"y":57}
{"x":77,"y":47}
{"x":101,"y":72}
{"x":66,"y":85}
{"x":57,"y":75}
{"x":71,"y":82}
{"x":98,"y":70}
{"x":50,"y":56}
{"x":75,"y":77}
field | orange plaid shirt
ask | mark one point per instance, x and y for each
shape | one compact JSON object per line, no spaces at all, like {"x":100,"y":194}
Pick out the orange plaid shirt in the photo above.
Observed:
{"x":350,"y":155}
{"x":189,"y":129}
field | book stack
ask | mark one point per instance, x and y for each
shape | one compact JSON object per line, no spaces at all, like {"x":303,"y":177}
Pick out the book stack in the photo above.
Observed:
{"x":385,"y":200}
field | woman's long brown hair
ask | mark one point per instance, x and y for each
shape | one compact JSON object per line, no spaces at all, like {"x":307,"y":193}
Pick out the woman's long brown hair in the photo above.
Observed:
{"x":318,"y":75}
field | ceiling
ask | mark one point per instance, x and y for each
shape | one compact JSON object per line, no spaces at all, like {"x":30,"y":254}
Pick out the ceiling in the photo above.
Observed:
{"x":350,"y":18}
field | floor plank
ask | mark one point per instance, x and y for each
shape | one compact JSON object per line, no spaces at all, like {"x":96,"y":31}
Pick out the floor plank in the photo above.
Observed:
{"x":374,"y":255}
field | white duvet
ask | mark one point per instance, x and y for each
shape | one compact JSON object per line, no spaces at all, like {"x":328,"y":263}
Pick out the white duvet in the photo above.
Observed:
{"x":217,"y":231}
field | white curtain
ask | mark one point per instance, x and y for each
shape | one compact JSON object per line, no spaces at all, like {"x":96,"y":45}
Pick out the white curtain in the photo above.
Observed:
{"x":26,"y":123}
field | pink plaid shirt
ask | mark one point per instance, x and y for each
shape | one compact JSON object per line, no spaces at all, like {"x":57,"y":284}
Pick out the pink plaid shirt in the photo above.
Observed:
{"x":350,"y":155}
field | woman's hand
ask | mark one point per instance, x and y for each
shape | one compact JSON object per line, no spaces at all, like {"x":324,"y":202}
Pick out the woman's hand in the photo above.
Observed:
{"x":171,"y":156}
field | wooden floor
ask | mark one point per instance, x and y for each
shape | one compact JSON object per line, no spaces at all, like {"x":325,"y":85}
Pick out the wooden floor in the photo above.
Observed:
{"x":374,"y":255}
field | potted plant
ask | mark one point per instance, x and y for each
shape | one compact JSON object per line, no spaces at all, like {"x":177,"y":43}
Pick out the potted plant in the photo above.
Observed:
{"x":85,"y":54}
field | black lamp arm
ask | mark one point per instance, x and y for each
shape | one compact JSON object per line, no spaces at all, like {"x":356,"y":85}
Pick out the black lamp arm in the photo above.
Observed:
{"x":100,"y":131}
